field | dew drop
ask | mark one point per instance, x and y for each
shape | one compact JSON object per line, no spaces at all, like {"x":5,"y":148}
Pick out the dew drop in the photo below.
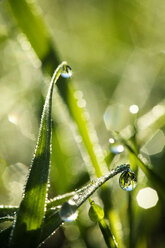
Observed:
{"x":127,"y":180}
{"x":66,"y":71}
{"x":69,"y":211}
{"x":115,"y":147}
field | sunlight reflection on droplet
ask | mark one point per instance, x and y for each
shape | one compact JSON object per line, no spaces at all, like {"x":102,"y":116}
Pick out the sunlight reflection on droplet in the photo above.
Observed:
{"x":128,"y":181}
{"x":134,"y":109}
{"x":13,"y":119}
{"x":66,"y":71}
{"x":69,"y":211}
{"x":115,"y":147}
{"x":147,"y":198}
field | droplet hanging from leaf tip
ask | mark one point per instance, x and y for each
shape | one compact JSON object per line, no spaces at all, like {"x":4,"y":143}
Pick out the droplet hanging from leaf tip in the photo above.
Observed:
{"x":127,"y":180}
{"x":66,"y":71}
{"x":69,"y":211}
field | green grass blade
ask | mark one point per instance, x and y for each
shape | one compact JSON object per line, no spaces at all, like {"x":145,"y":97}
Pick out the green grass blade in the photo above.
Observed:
{"x":52,"y":217}
{"x":58,"y":200}
{"x":27,"y":229}
{"x":32,"y":25}
{"x":7,"y":210}
{"x":93,"y":186}
{"x":6,"y":218}
{"x":115,"y":223}
{"x":4,"y":237}
{"x":109,"y":239}
{"x":96,"y":214}
{"x":41,"y":43}
{"x":86,"y":130}
{"x":51,"y":224}
{"x":157,"y":181}
{"x":54,"y":221}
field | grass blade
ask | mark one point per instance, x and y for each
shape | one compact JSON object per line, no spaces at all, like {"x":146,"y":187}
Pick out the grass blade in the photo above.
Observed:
{"x":54,"y":221}
{"x":52,"y":218}
{"x":4,"y":237}
{"x":96,"y":214}
{"x":41,"y":43}
{"x":109,"y":239}
{"x":7,"y":210}
{"x":26,"y":13}
{"x":150,"y":174}
{"x":27,"y":229}
{"x":115,"y":223}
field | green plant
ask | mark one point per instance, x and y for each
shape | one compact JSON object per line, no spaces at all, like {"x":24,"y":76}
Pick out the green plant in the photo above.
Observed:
{"x":35,"y":220}
{"x":36,"y":217}
{"x":46,"y":203}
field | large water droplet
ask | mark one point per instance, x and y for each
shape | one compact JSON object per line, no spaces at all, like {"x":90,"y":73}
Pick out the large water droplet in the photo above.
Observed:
{"x":69,"y":211}
{"x":66,"y":71}
{"x":115,"y":147}
{"x":127,"y":180}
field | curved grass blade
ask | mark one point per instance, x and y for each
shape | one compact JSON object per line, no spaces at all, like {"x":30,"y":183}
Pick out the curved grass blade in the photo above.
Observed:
{"x":41,"y":43}
{"x":27,"y":229}
{"x":81,"y":197}
{"x":53,"y":221}
{"x":52,"y":217}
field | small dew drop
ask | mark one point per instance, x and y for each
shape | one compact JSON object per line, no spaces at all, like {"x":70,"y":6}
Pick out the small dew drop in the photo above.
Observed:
{"x":115,"y":147}
{"x":128,"y":181}
{"x":75,"y":197}
{"x":68,"y":212}
{"x":66,"y":71}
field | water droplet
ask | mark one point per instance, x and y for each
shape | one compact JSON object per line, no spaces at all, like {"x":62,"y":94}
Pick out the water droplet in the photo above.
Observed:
{"x":127,"y":180}
{"x":66,"y":71}
{"x":68,"y":211}
{"x":75,"y":197}
{"x":115,"y":147}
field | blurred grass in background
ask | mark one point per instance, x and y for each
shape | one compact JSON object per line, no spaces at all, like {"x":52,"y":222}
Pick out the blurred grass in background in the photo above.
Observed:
{"x":117,"y":52}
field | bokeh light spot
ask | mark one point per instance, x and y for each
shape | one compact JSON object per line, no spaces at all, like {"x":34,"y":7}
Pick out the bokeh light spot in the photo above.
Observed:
{"x":147,"y":198}
{"x":134,"y":109}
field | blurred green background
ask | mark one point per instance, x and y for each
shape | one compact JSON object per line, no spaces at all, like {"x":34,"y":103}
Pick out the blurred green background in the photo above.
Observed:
{"x":116,"y":49}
